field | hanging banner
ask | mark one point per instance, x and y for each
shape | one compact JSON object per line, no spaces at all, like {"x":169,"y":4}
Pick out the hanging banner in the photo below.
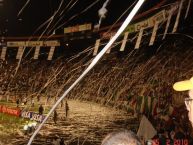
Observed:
{"x":51,"y":43}
{"x":130,"y":29}
{"x":78,"y":28}
{"x":85,"y":27}
{"x":142,"y":25}
{"x":34,"y":43}
{"x":15,"y":43}
{"x":158,"y":17}
{"x":108,"y":35}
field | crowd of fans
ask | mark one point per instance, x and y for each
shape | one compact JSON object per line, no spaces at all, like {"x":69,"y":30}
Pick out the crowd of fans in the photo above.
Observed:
{"x":114,"y":81}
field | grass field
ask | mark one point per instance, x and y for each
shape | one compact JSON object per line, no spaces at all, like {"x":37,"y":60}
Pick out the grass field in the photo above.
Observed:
{"x":11,"y":125}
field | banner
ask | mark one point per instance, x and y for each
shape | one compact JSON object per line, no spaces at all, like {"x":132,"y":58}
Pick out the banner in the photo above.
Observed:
{"x":34,"y":43}
{"x":26,"y":114}
{"x":11,"y":111}
{"x":37,"y":117}
{"x":51,"y":43}
{"x":150,"y":22}
{"x":32,"y":115}
{"x":108,"y":35}
{"x":16,"y":43}
{"x":78,"y":28}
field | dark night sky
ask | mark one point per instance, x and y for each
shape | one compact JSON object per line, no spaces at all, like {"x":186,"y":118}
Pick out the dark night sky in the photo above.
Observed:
{"x":38,"y":11}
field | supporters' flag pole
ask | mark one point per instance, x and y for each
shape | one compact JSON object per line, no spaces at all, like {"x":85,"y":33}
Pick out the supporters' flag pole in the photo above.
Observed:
{"x":96,"y":47}
{"x":137,"y":44}
{"x":124,"y":41}
{"x":178,"y":17}
{"x":188,"y":8}
{"x":94,"y":61}
{"x":154,"y":33}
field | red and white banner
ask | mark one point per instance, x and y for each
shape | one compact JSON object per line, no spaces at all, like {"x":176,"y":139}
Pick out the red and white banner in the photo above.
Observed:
{"x":11,"y":111}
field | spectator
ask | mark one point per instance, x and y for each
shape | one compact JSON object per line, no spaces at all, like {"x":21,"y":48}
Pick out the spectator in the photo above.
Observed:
{"x":187,"y":85}
{"x":17,"y":102}
{"x":121,"y":138}
{"x":66,"y":108}
{"x":56,"y":141}
{"x":25,"y":101}
{"x":55,"y":117}
{"x":62,"y":141}
{"x":25,"y":128}
{"x":32,"y":102}
{"x":41,"y":109}
{"x":61,"y":104}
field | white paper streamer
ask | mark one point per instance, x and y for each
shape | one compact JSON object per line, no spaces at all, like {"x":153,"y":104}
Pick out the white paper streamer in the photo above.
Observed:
{"x":94,"y":61}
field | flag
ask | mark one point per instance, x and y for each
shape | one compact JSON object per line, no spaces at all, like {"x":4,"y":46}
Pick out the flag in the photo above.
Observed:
{"x":50,"y":55}
{"x":153,"y":34}
{"x":96,"y":47}
{"x":178,"y":17}
{"x":3,"y":53}
{"x":37,"y":51}
{"x":124,"y":41}
{"x":20,"y":52}
{"x":167,"y":24}
{"x":139,"y":39}
{"x":109,"y":50}
{"x":146,"y":129}
{"x":188,"y":8}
